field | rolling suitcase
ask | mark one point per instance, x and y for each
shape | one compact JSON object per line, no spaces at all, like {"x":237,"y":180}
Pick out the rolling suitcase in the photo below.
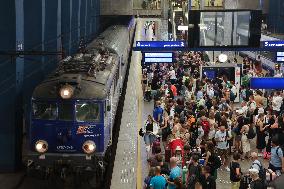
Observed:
{"x":156,"y":144}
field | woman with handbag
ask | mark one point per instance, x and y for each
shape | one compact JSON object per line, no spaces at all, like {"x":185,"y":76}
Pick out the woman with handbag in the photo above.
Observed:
{"x":150,"y":131}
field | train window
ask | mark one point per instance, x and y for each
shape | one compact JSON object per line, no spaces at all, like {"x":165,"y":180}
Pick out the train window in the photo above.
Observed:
{"x":87,"y":111}
{"x":65,"y":111}
{"x":45,"y":110}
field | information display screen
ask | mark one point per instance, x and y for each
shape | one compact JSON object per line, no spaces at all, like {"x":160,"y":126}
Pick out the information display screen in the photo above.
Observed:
{"x":280,"y":57}
{"x":160,"y":57}
{"x":224,"y":28}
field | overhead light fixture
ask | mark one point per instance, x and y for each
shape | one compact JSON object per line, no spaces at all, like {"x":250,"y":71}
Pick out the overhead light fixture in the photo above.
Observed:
{"x":66,"y":91}
{"x":223,"y":58}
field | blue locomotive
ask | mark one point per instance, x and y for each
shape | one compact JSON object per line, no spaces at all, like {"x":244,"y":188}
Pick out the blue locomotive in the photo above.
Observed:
{"x":73,"y":110}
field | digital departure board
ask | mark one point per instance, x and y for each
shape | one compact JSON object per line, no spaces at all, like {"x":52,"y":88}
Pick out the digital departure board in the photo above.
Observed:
{"x":280,"y":57}
{"x":159,"y":57}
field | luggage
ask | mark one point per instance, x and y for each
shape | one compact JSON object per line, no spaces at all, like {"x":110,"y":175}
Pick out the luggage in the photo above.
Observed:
{"x":156,"y":144}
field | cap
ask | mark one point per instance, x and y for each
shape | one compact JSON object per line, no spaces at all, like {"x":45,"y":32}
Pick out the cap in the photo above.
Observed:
{"x":253,"y":171}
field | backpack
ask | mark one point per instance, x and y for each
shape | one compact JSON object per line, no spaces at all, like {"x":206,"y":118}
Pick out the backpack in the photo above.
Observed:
{"x":216,"y":163}
{"x":262,"y":171}
{"x":147,"y":182}
{"x":193,"y":177}
{"x":251,"y":133}
{"x":205,"y":126}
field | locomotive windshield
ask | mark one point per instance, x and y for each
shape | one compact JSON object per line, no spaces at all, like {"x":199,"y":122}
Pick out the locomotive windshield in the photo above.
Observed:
{"x":87,"y":111}
{"x":65,"y":112}
{"x":45,"y":110}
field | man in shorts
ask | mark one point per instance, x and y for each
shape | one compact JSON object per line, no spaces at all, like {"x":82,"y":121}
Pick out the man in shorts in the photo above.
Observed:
{"x":221,"y":137}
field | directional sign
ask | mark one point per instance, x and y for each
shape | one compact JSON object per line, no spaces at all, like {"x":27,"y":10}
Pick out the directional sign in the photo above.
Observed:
{"x":273,"y":44}
{"x":267,"y":83}
{"x":160,"y":44}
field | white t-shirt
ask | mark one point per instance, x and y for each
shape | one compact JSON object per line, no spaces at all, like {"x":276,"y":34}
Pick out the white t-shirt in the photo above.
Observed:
{"x":172,"y":74}
{"x":222,"y":137}
{"x":234,"y":90}
{"x":276,"y":103}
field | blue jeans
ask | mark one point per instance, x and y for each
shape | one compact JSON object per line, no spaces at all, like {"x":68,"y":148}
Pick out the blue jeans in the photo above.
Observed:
{"x":149,"y":138}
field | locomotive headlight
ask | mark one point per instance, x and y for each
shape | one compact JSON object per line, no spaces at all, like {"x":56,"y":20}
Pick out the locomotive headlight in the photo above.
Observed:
{"x":41,"y":146}
{"x":89,"y":147}
{"x":66,"y":91}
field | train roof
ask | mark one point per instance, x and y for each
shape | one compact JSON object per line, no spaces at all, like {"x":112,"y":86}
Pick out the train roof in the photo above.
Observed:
{"x":91,"y":77}
{"x":92,"y":71}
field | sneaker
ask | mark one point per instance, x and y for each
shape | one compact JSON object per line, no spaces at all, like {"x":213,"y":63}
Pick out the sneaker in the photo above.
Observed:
{"x":227,"y":169}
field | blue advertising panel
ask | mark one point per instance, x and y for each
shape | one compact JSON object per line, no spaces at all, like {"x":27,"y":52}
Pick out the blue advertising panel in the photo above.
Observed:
{"x":160,"y":44}
{"x":267,"y":83}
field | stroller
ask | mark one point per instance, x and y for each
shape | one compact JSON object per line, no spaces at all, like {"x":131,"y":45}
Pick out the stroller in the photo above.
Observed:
{"x":176,"y":147}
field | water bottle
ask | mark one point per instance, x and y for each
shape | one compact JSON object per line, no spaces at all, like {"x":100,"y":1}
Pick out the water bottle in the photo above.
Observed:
{"x":184,"y":173}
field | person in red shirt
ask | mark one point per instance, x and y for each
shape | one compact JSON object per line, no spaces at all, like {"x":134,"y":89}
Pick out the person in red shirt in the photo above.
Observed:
{"x":174,"y":90}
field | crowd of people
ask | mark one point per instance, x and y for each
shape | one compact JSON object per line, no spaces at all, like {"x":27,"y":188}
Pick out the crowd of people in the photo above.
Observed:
{"x":196,"y":128}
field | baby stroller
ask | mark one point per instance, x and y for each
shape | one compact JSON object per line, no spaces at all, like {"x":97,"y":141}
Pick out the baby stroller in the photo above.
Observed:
{"x":176,"y":147}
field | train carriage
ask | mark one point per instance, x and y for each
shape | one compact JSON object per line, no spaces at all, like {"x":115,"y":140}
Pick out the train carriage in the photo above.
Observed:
{"x":73,"y":110}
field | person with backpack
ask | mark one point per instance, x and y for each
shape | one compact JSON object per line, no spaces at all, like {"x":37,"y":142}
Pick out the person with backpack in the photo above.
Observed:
{"x":207,"y":181}
{"x":276,"y":163}
{"x":256,"y":183}
{"x":147,"y":180}
{"x":257,"y":165}
{"x":211,"y":159}
{"x":221,"y":138}
{"x":194,"y":172}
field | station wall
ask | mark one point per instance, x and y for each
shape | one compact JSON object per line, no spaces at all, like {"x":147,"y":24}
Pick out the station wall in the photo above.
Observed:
{"x":26,"y":25}
{"x":276,"y":16}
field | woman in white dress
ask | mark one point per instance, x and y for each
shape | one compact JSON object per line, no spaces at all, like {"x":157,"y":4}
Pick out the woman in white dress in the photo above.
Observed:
{"x":245,"y":141}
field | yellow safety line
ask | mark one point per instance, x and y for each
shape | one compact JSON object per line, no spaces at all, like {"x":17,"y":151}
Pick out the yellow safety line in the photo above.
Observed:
{"x":139,"y":124}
